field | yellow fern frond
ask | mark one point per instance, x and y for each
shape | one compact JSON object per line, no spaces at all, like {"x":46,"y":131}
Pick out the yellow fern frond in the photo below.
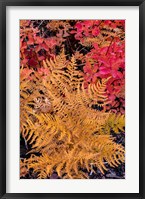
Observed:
{"x":58,"y":121}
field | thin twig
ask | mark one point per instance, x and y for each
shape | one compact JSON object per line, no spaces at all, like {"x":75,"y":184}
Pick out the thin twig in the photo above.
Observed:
{"x":25,"y":143}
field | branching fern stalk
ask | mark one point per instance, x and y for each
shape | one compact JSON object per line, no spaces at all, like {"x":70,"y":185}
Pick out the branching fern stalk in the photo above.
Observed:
{"x":59,"y":122}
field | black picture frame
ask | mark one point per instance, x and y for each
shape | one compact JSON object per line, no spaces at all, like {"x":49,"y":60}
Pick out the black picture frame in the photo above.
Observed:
{"x":3,"y":5}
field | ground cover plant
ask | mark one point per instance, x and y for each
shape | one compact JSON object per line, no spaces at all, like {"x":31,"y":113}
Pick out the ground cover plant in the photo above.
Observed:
{"x":72,"y":99}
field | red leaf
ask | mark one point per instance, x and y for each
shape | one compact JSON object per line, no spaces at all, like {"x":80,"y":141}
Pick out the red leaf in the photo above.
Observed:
{"x":51,"y":42}
{"x":43,"y":71}
{"x":88,"y":68}
{"x":44,"y":46}
{"x":25,"y":73}
{"x":39,"y":40}
{"x":30,"y":40}
{"x":32,"y":62}
{"x":95,"y":31}
{"x":24,"y":61}
{"x":23,"y":45}
{"x":104,"y":71}
{"x":73,"y":31}
{"x":40,"y":58}
{"x":78,"y":26}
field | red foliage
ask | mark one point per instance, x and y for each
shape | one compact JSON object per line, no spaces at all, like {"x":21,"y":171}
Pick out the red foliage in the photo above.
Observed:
{"x":103,"y":56}
{"x":34,"y":47}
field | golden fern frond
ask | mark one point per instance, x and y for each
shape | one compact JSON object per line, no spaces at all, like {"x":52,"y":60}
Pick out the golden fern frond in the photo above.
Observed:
{"x":77,"y":156}
{"x":115,"y":123}
{"x":58,"y":120}
{"x":98,"y":92}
